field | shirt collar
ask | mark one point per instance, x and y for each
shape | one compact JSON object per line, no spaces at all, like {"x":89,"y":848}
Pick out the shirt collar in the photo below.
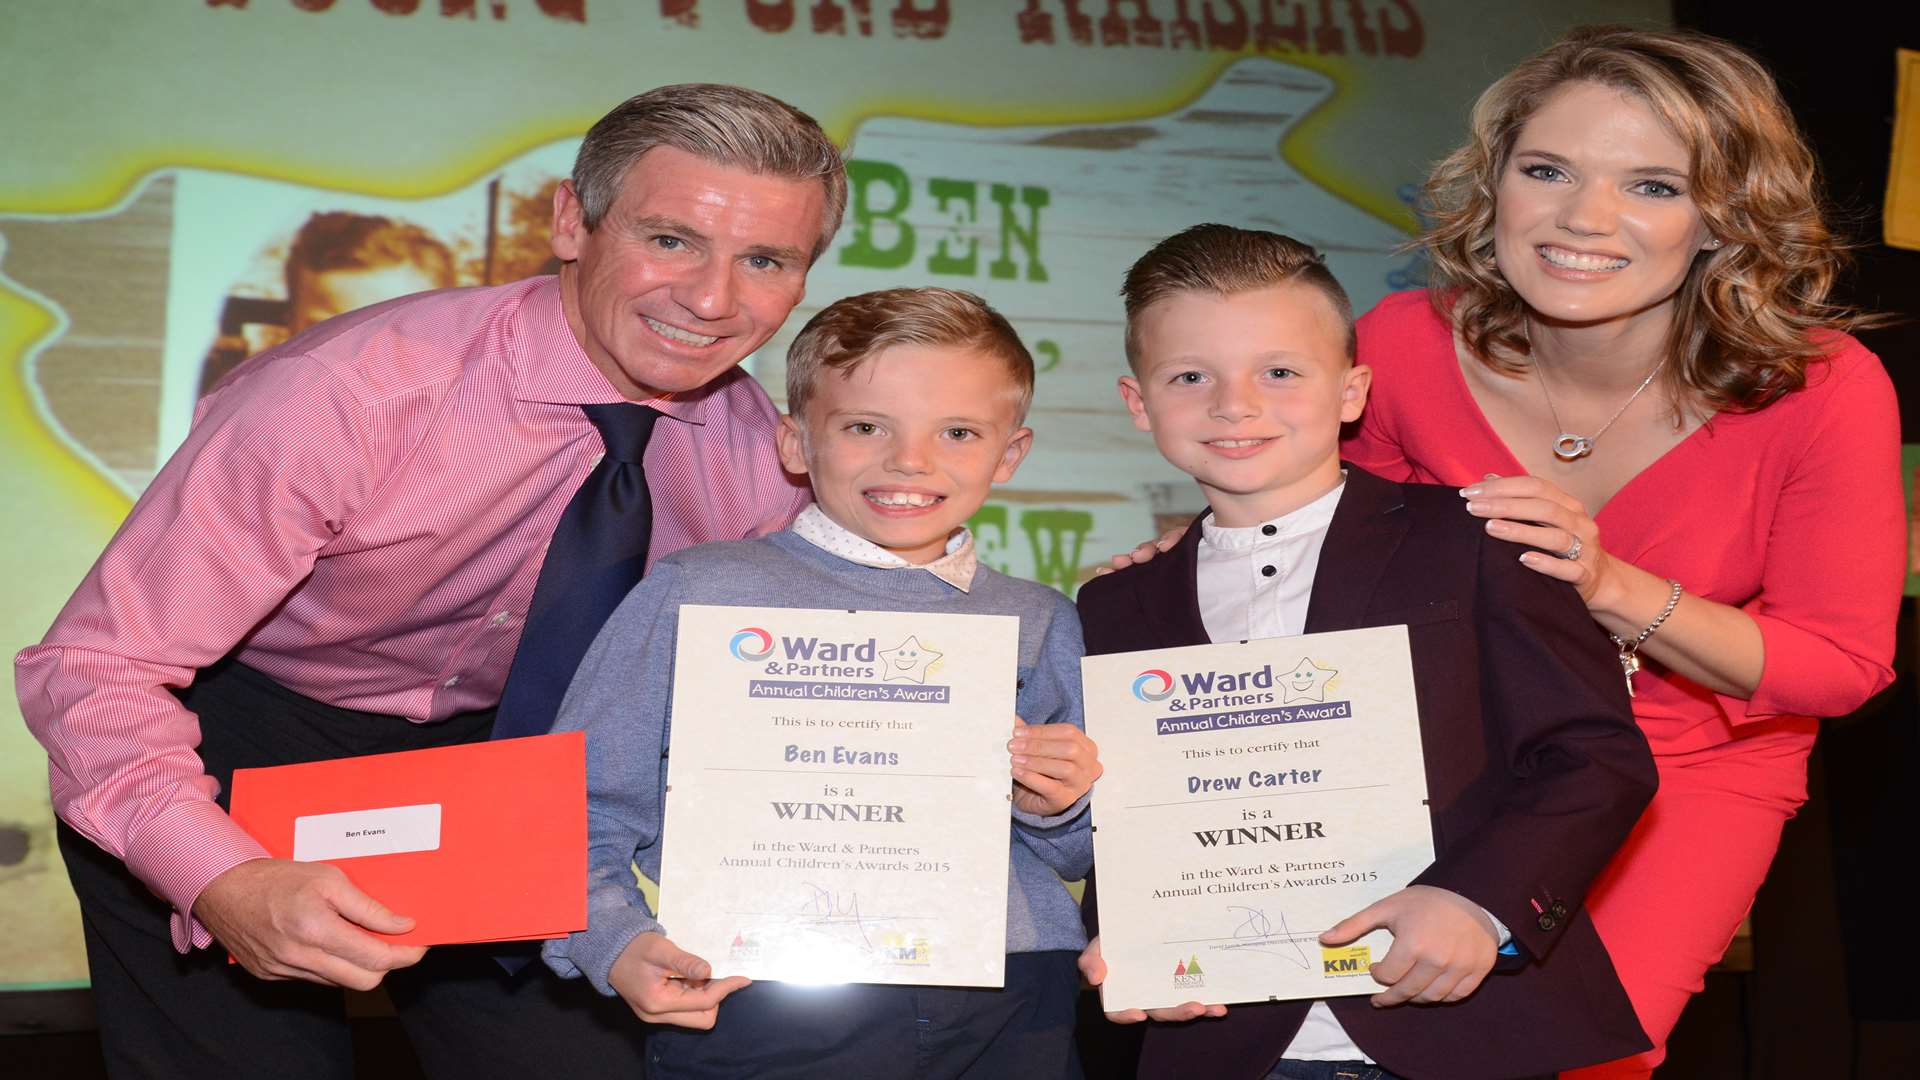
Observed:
{"x":550,"y":366}
{"x":956,"y":567}
{"x":1314,"y":516}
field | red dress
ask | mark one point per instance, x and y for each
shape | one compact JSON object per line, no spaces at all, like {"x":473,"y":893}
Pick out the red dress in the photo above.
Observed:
{"x":1793,"y":514}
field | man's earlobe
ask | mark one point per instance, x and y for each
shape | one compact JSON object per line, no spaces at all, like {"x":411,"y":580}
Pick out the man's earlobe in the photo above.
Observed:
{"x":568,"y":220}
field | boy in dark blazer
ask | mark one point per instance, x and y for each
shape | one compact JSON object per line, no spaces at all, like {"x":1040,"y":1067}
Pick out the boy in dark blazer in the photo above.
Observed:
{"x":1241,"y":346}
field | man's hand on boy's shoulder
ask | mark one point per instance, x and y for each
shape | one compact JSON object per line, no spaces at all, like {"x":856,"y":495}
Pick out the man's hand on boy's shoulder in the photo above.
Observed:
{"x":1053,"y":765}
{"x":1443,"y":944}
{"x":664,"y":984}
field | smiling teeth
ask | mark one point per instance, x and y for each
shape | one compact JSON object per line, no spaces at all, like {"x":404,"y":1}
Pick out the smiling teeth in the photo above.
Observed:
{"x":902,"y":498}
{"x":1573,"y":260}
{"x":674,"y":333}
{"x":1235,"y":444}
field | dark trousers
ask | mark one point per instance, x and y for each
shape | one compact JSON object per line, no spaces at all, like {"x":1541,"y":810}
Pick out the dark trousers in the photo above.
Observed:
{"x":197,"y":1016}
{"x":1290,"y":1069}
{"x":779,"y":1031}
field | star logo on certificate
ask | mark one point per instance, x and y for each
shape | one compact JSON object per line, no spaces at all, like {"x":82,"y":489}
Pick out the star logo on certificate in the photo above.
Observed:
{"x":907,"y":661}
{"x":1306,"y":682}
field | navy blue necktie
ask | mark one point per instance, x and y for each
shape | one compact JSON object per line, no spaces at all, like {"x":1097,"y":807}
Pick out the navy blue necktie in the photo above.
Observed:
{"x":598,"y":553}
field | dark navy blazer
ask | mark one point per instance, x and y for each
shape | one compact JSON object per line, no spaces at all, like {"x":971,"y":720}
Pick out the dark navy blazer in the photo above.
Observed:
{"x":1535,"y":775}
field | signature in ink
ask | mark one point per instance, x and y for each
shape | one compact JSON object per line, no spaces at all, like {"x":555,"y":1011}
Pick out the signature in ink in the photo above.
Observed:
{"x":1256,"y":934}
{"x":824,"y":907}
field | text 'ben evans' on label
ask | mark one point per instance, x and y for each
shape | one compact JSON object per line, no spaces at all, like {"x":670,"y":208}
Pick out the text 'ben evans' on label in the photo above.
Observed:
{"x":358,"y":833}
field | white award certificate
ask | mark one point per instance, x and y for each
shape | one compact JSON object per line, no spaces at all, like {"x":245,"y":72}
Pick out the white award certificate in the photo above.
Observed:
{"x":837,"y":794}
{"x":1255,"y":794}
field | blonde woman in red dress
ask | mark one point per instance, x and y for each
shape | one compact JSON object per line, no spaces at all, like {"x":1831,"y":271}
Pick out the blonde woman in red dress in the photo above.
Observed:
{"x":1628,"y":361}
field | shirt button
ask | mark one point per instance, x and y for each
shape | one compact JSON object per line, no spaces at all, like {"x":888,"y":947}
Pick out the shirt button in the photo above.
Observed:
{"x":501,"y":618}
{"x":1268,"y":571}
{"x":452,"y":682}
{"x":1269,"y":530}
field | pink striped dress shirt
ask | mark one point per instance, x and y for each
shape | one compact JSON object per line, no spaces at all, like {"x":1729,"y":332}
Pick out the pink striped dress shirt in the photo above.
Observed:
{"x":366,"y":507}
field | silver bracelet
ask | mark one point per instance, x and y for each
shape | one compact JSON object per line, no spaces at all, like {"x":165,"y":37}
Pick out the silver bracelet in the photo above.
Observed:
{"x":1630,"y":650}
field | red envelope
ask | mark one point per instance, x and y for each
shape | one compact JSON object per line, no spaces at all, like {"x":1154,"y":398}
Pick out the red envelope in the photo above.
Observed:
{"x":481,"y":842}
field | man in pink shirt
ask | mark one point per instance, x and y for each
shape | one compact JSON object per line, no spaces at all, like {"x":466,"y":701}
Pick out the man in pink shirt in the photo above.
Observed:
{"x":339,"y":561}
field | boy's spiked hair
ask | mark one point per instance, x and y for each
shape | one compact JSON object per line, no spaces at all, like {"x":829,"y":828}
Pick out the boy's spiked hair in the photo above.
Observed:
{"x":1224,"y":260}
{"x":848,"y":331}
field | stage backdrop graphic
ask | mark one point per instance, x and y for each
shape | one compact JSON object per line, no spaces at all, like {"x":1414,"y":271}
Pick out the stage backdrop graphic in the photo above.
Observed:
{"x":167,"y":158}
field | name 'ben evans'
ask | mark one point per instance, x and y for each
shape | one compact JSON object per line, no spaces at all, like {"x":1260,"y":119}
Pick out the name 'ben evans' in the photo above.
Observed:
{"x":841,"y":755}
{"x":1254,"y":779}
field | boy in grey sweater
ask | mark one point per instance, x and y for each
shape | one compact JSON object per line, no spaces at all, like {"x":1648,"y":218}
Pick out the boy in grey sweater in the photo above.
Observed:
{"x":906,"y":407}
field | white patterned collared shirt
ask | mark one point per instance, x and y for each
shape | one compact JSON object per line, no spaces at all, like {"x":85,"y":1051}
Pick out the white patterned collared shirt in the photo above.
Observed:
{"x":955,"y":568}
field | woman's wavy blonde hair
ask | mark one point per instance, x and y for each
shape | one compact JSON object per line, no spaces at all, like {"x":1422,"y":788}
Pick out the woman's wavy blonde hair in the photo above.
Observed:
{"x":1743,"y":319}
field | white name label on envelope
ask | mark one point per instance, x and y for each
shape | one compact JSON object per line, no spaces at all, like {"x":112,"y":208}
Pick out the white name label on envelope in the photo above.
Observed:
{"x":356,"y":833}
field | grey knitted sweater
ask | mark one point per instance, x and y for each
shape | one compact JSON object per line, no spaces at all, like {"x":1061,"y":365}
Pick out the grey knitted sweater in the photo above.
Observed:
{"x":621,"y":698}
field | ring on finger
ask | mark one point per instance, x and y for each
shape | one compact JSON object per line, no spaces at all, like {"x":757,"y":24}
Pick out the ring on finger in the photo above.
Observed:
{"x":1573,"y":551}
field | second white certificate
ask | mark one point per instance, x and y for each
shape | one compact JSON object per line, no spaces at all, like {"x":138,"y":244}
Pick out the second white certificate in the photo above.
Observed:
{"x":1255,"y":794}
{"x":837,"y":793}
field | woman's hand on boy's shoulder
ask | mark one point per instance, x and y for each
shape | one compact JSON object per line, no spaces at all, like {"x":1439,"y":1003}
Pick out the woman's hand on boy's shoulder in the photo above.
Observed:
{"x":1093,"y":971}
{"x":1144,"y":553}
{"x":665,"y":984}
{"x":1053,"y":765}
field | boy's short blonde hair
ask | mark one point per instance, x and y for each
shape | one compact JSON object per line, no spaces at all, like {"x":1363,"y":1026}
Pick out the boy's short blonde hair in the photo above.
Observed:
{"x":1223,"y":260}
{"x":849,"y":331}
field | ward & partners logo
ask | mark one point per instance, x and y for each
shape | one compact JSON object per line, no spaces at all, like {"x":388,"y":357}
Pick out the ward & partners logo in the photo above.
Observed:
{"x":1153,"y":684}
{"x":752,"y":644}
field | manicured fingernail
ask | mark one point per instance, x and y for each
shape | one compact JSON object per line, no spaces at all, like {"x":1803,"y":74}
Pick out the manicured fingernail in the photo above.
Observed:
{"x":1476,"y":506}
{"x":1470,"y":492}
{"x":1498,"y":527}
{"x":1491,"y":476}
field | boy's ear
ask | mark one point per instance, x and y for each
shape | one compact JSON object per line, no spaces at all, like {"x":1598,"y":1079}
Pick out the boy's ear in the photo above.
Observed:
{"x":569,"y":222}
{"x":1136,"y":404}
{"x":792,"y":444}
{"x":1015,"y":453}
{"x":1353,"y":392}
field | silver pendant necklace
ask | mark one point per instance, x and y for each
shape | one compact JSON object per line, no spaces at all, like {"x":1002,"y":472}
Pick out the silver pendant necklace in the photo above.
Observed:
{"x":1570,"y":447}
